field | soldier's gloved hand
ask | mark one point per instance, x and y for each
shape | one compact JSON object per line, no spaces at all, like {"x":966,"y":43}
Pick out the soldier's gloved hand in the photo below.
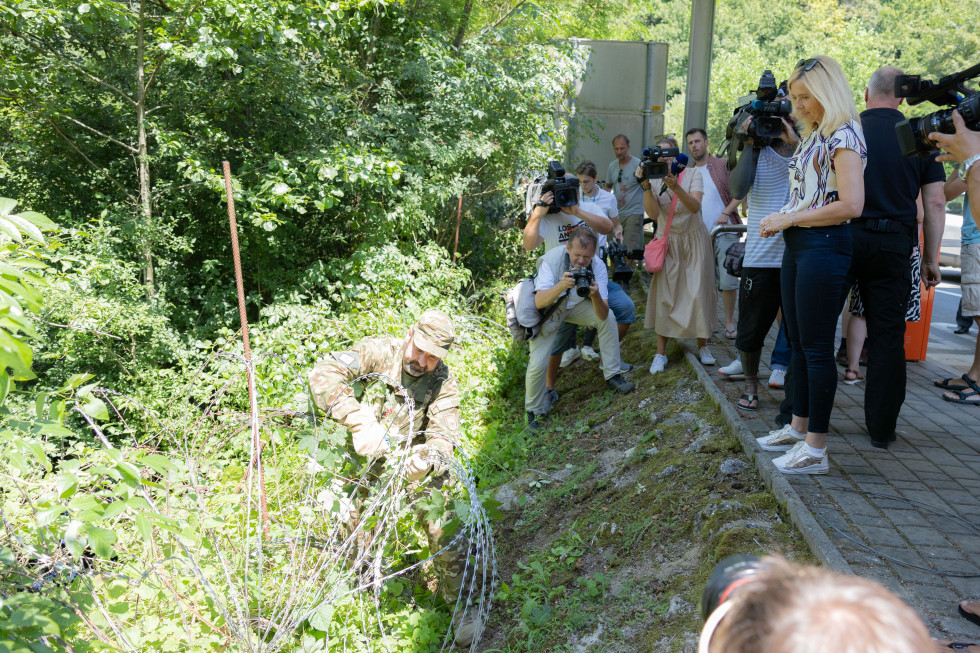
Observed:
{"x":368,"y":436}
{"x":436,"y":453}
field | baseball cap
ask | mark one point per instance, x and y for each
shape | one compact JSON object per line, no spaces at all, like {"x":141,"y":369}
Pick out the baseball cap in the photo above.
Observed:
{"x":434,"y":333}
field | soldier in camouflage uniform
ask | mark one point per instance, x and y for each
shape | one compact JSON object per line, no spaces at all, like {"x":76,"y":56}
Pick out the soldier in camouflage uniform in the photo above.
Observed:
{"x":416,"y":362}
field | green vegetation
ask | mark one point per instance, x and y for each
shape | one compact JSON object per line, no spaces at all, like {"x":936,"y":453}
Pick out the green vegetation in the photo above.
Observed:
{"x":360,"y":134}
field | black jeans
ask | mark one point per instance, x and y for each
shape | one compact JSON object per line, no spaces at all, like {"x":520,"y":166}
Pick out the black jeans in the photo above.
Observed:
{"x":759,"y":299}
{"x":881,"y":267}
{"x":813,"y":280}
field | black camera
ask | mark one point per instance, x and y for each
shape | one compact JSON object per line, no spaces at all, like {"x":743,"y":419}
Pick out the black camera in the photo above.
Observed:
{"x":652,"y":167}
{"x":951,"y":91}
{"x":618,"y":253}
{"x":583,"y":281}
{"x":767,"y":106}
{"x":728,"y":574}
{"x":563,"y":186}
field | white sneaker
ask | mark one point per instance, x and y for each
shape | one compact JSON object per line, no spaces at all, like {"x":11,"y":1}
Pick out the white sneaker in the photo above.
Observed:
{"x":589,"y":354}
{"x":733,"y":368}
{"x":799,"y":460}
{"x":706,"y":357}
{"x":782,"y":439}
{"x":658,"y":364}
{"x":777,"y":378}
{"x":569,"y":357}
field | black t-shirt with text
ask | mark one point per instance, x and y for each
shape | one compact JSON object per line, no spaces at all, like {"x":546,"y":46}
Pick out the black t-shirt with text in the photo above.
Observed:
{"x":892,"y":181}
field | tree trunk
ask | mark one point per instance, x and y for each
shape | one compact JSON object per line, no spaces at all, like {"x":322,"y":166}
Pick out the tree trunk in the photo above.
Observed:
{"x":142,"y":159}
{"x":464,"y":22}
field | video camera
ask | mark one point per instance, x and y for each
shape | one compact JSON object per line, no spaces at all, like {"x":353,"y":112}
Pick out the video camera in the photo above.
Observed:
{"x":564,"y":188}
{"x":618,"y":254}
{"x":652,"y":167}
{"x":767,"y":106}
{"x":951,"y":91}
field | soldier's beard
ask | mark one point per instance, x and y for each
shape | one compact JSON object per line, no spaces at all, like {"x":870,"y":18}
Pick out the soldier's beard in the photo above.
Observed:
{"x":413,"y":369}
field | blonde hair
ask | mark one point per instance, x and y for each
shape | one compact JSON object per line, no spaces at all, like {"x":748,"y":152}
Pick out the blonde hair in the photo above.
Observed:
{"x":791,"y":609}
{"x":829,"y":87}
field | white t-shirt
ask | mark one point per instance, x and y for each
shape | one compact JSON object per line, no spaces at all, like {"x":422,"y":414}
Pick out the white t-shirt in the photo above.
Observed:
{"x":711,"y":204}
{"x":554,"y":229}
{"x":545,"y":279}
{"x":602,"y":203}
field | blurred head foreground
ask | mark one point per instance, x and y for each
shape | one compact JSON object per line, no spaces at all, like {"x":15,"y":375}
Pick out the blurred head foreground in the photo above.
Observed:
{"x":789,"y":609}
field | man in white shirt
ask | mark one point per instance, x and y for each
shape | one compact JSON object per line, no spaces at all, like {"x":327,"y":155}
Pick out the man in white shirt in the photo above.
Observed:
{"x":717,"y":207}
{"x":555,"y":282}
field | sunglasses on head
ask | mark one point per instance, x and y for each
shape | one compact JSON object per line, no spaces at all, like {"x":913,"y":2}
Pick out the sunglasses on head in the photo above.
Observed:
{"x":620,"y":176}
{"x":807,"y":64}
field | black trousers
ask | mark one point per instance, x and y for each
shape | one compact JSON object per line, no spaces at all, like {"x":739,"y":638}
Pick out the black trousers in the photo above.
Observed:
{"x":759,"y":299}
{"x":880,"y":265}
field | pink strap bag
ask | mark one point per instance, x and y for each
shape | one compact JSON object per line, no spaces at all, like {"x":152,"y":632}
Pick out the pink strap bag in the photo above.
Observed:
{"x":656,"y":250}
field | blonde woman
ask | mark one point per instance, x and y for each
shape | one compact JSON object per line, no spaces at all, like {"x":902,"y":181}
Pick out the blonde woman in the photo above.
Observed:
{"x":826,"y":190}
{"x":682,"y":299}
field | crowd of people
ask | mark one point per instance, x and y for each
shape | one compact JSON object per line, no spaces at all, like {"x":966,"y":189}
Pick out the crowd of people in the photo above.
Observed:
{"x":833,"y":212}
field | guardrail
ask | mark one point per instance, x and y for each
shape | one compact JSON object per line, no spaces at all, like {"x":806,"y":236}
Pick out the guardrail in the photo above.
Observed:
{"x":727,"y":229}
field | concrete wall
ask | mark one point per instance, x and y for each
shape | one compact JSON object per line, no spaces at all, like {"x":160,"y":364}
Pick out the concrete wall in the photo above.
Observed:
{"x":624,"y":91}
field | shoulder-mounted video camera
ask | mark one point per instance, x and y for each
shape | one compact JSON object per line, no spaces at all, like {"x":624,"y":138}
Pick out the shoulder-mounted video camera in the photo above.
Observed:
{"x":951,"y":91}
{"x":767,"y":106}
{"x":653,"y":167}
{"x":564,"y":188}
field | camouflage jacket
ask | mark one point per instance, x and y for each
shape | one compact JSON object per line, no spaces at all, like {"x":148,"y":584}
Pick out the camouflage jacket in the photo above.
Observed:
{"x":436,"y":395}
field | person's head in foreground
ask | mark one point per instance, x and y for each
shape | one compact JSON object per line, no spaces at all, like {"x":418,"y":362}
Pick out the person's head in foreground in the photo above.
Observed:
{"x":785,"y":608}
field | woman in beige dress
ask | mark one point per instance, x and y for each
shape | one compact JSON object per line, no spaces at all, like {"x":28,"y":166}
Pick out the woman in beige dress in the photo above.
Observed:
{"x":682,"y":300}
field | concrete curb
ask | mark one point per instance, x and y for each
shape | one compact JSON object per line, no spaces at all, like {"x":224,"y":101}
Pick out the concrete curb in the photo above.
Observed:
{"x":802,"y":518}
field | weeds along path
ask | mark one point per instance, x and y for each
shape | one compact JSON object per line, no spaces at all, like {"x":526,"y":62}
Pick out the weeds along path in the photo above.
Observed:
{"x":627,"y":504}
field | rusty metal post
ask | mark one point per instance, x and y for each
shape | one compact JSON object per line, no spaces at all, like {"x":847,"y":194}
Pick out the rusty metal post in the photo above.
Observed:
{"x":252,"y":399}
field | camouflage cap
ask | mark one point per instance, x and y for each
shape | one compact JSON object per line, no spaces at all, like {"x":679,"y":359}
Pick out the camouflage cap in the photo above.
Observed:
{"x":434,"y":333}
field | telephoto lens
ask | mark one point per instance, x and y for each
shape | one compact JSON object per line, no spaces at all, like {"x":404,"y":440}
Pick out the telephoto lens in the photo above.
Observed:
{"x":728,"y":575}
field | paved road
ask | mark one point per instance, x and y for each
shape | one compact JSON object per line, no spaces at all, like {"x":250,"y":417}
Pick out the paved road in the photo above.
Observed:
{"x":908,"y":517}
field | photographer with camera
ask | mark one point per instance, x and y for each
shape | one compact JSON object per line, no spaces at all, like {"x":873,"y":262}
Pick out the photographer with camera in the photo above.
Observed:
{"x":964,"y":146}
{"x":621,"y":181}
{"x":570,"y":274}
{"x":772,"y":606}
{"x":883,"y":238}
{"x":603,"y":203}
{"x":553,"y":208}
{"x":762,"y":177}
{"x":682,"y":299}
{"x":826,"y":190}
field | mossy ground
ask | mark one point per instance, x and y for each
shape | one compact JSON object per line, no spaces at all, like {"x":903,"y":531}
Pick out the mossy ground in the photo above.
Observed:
{"x":623,"y":512}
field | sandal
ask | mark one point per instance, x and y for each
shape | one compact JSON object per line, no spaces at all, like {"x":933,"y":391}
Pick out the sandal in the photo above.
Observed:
{"x":748,"y":402}
{"x":852,"y":376}
{"x":963,"y":397}
{"x":969,"y":616}
{"x":945,"y":383}
{"x":731,"y":333}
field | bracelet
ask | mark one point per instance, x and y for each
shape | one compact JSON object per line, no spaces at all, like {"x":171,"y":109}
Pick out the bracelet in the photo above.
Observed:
{"x":647,"y":188}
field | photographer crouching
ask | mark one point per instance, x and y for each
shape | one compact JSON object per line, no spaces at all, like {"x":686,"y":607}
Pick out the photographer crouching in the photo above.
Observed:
{"x":570,"y":274}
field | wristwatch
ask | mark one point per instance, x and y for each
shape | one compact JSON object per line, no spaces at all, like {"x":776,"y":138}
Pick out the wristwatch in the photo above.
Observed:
{"x":966,"y":165}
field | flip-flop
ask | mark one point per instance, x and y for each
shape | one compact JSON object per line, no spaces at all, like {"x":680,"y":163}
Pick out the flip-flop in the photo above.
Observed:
{"x":731,"y":333}
{"x":857,"y":376}
{"x":944,"y":384}
{"x":960,"y":645}
{"x":748,"y":399}
{"x":963,"y":397}
{"x":969,"y":616}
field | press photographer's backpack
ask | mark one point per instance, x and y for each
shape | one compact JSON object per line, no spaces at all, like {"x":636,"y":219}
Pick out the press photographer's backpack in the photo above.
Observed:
{"x":524,"y":318}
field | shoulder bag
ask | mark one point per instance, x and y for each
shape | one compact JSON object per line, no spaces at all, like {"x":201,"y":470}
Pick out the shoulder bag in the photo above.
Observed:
{"x":656,"y":250}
